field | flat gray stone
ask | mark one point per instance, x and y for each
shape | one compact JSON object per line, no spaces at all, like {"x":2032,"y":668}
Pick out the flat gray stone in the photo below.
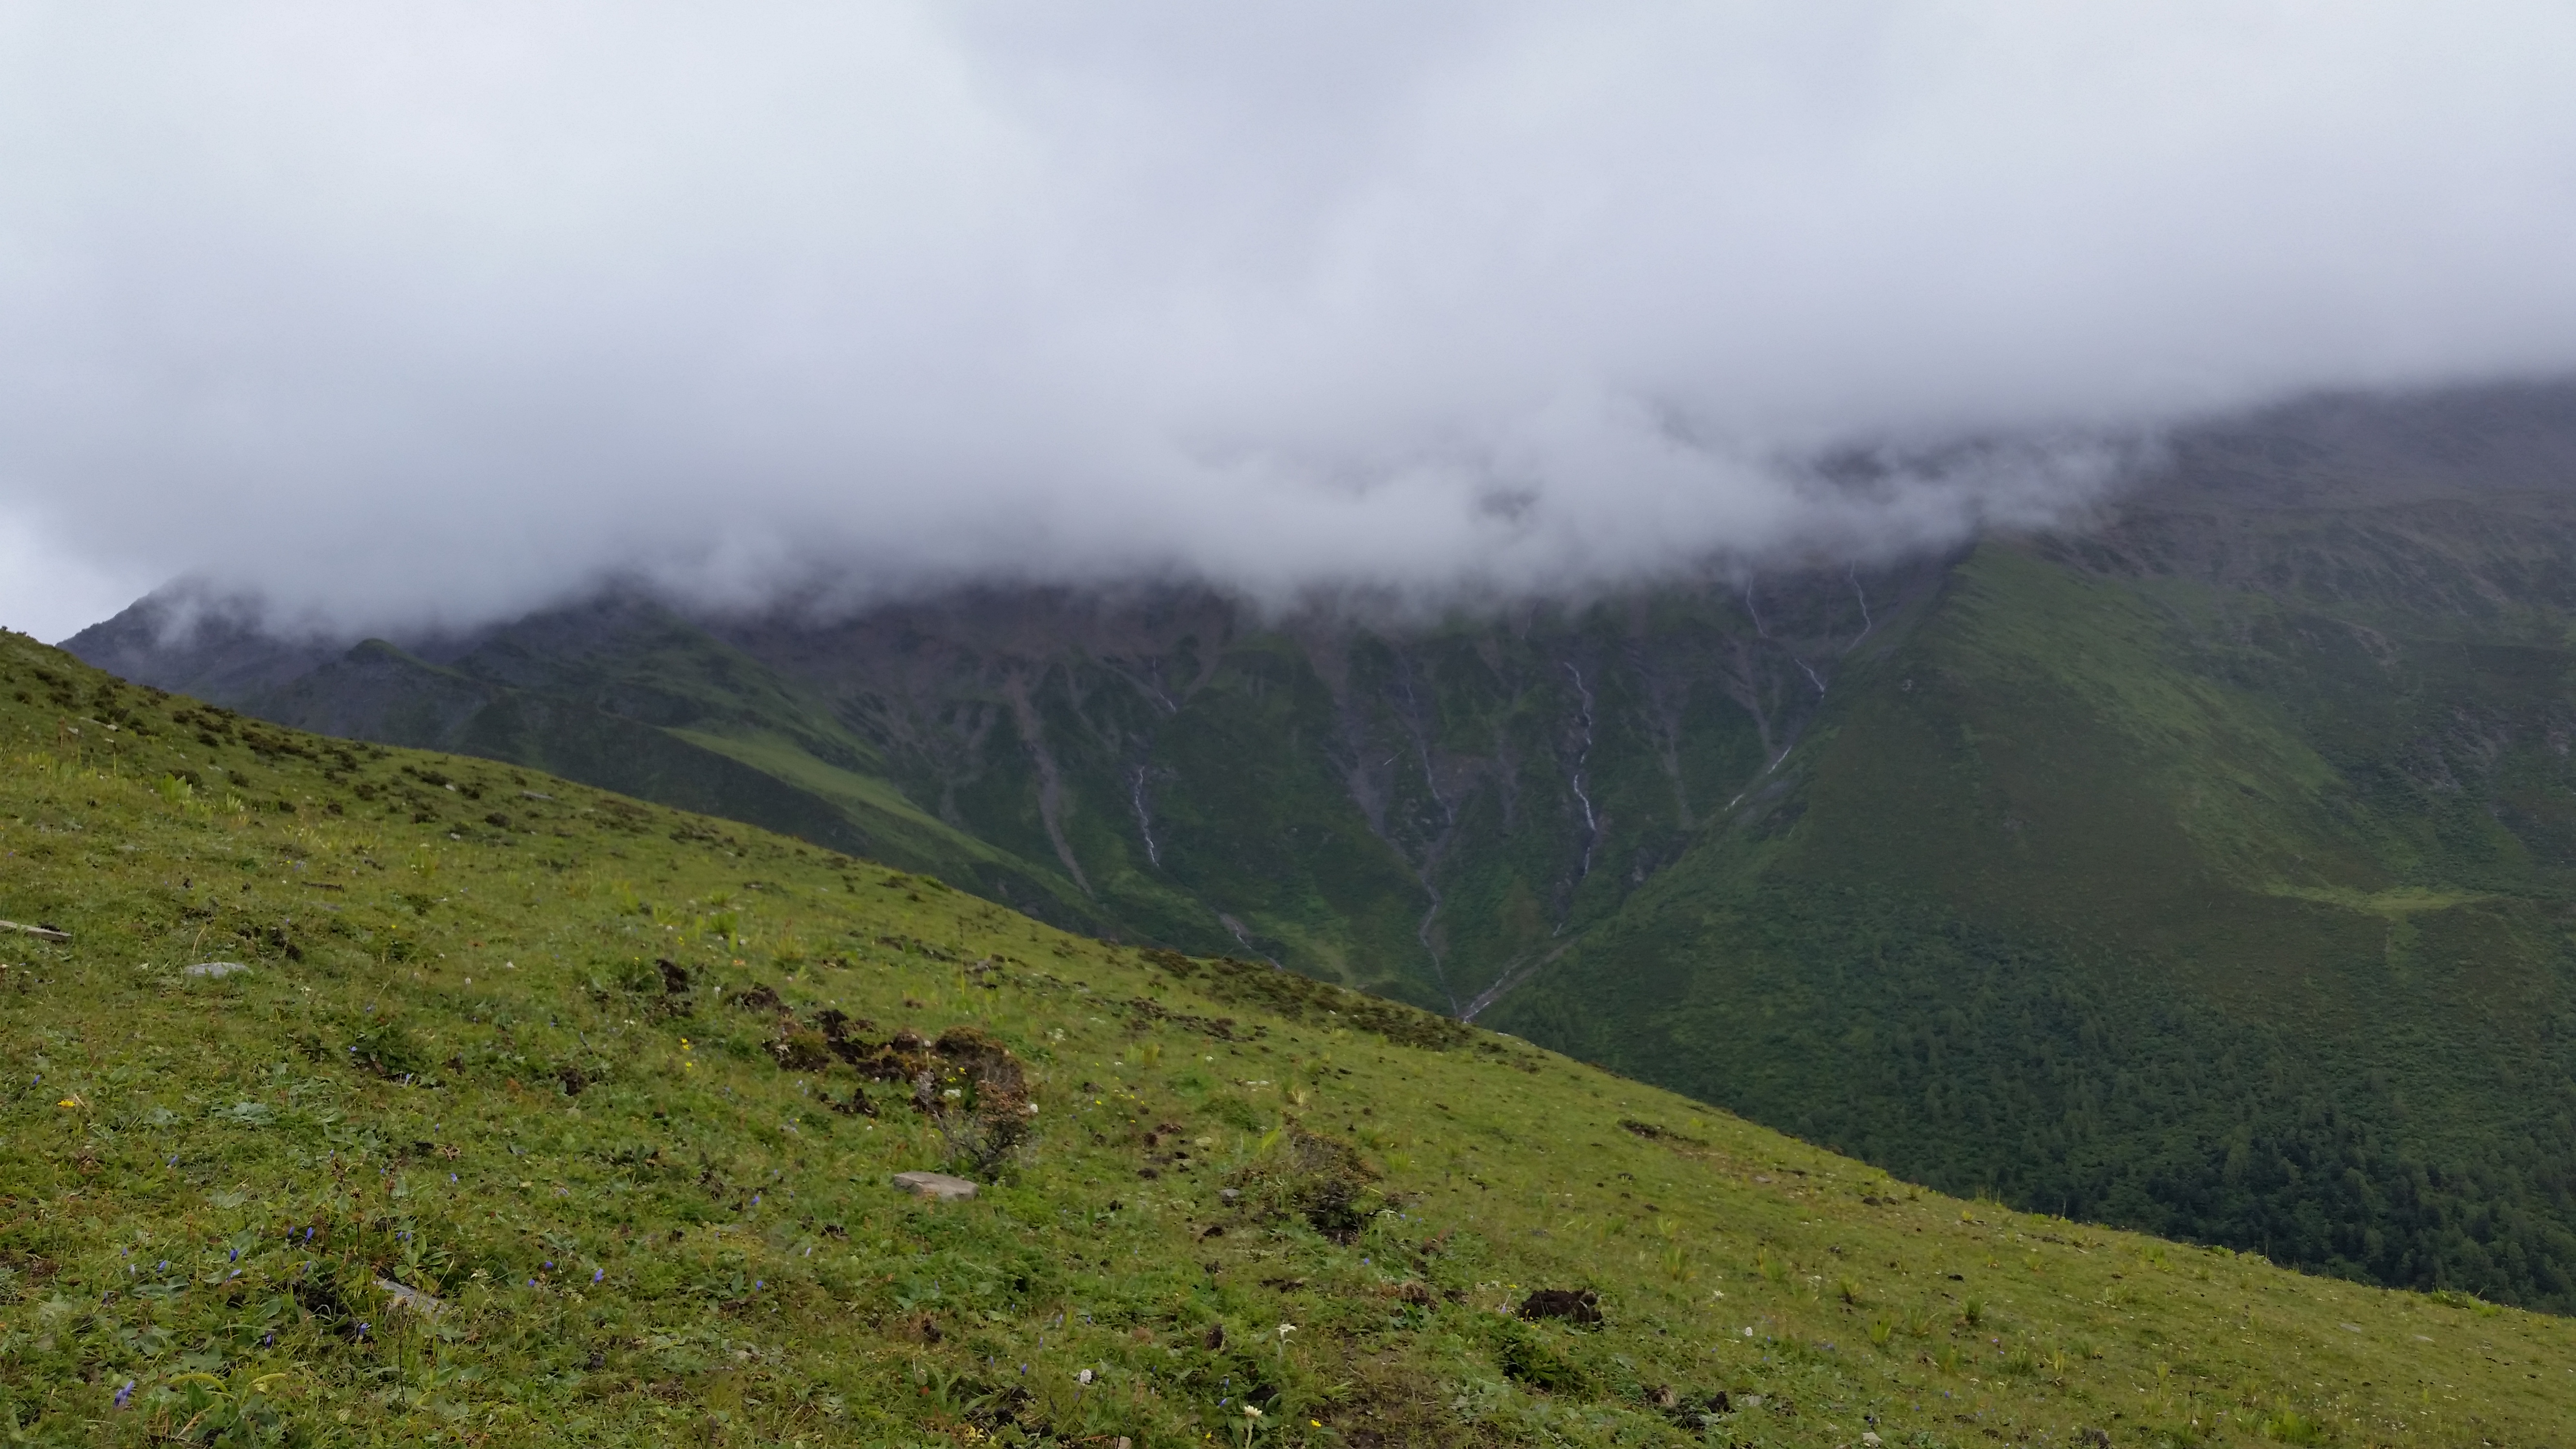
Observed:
{"x":411,"y":1298}
{"x":216,"y":970}
{"x":936,"y":1186}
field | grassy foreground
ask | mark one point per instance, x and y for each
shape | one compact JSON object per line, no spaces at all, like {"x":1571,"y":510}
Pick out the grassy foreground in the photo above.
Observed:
{"x":455,"y":1159}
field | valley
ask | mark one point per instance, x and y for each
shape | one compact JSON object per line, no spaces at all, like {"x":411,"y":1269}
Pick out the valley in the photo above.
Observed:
{"x":2206,"y":869}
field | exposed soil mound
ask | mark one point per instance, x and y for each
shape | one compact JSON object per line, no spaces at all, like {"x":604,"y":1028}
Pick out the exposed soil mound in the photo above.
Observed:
{"x":758,"y":998}
{"x":968,"y":1082}
{"x":1572,"y":1305}
{"x":1305,"y":998}
{"x":1320,"y":1178}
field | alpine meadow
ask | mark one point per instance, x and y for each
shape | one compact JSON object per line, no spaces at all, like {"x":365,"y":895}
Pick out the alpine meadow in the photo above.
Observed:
{"x":370,"y":1095}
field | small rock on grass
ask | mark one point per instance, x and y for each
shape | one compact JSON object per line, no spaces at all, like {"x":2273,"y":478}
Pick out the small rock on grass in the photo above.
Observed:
{"x":936,"y":1186}
{"x":411,"y":1298}
{"x":215,"y":970}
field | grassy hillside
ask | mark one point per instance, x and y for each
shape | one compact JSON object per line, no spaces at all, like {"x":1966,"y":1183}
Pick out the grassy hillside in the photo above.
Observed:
{"x":651,"y":1203}
{"x":621,"y":694}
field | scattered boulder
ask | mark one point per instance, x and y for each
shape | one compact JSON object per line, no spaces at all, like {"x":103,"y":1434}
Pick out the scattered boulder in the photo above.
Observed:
{"x":936,"y":1186}
{"x":214,"y":970}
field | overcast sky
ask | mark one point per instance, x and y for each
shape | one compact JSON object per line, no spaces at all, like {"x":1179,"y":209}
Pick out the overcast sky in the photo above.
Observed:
{"x":407,"y":311}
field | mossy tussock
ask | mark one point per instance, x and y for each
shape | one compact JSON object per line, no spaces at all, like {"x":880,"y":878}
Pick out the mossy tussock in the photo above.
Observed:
{"x":530,"y":1118}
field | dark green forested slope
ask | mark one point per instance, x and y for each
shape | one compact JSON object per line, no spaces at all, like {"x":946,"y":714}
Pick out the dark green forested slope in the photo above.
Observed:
{"x":2237,"y":908}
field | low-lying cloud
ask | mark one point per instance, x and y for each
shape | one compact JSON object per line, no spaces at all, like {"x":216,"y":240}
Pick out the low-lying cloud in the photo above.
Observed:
{"x":405,"y":313}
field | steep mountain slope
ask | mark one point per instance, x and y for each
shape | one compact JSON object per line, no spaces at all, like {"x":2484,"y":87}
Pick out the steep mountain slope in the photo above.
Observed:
{"x":1421,"y":808}
{"x":622,"y":693}
{"x":2212,"y":872}
{"x":1417,"y":809}
{"x":520,"y":1113}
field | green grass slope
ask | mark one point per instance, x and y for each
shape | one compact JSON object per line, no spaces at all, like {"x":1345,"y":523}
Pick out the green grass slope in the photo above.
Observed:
{"x":631,"y":698}
{"x":455,"y":1159}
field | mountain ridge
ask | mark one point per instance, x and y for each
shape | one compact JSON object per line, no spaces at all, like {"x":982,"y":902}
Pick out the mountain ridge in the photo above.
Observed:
{"x":2206,"y":867}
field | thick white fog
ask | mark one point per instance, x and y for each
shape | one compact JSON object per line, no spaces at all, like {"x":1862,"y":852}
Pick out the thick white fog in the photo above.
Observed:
{"x":403,"y":312}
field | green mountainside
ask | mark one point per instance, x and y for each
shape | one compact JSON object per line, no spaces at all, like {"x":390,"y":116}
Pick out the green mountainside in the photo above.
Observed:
{"x":2209,"y":869}
{"x":366,"y":1095}
{"x":1420,"y":809}
{"x":624,"y":695}
{"x":2213,"y":873}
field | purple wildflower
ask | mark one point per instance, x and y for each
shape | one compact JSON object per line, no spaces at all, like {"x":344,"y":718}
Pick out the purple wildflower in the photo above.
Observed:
{"x":597,"y":1274}
{"x":125,"y":1393}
